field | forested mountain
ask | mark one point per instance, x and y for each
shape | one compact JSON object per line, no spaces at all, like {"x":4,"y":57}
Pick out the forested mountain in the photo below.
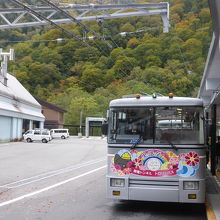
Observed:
{"x":78,"y":78}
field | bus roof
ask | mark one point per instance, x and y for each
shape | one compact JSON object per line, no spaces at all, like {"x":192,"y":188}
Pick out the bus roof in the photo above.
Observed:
{"x":159,"y":101}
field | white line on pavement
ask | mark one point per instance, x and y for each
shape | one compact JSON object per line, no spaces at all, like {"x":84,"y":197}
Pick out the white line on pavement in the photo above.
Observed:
{"x":49,"y":187}
{"x":43,"y":176}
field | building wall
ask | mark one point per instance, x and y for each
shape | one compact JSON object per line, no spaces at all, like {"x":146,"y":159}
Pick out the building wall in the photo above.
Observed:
{"x":5,"y":128}
{"x":12,"y":117}
{"x":10,"y":128}
{"x":61,"y":118}
{"x":50,"y":114}
{"x":53,"y":116}
{"x":17,"y":105}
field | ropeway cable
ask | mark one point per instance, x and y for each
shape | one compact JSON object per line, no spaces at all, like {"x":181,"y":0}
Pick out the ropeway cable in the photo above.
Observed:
{"x":50,"y":22}
{"x":30,"y":10}
{"x":131,"y":64}
{"x":61,"y":28}
{"x":85,"y":27}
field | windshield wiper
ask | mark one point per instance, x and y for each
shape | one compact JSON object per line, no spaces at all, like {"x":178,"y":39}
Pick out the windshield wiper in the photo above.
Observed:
{"x":172,"y":145}
{"x":135,"y":142}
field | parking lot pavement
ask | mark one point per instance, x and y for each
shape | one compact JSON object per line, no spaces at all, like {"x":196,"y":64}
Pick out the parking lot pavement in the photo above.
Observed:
{"x":60,"y":169}
{"x":23,"y":160}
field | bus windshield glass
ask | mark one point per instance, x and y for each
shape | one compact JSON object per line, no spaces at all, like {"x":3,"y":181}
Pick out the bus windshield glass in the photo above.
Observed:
{"x":179,"y":125}
{"x":127,"y":124}
{"x":156,"y":125}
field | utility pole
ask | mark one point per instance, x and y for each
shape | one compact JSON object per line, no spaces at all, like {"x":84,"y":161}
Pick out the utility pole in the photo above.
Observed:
{"x":4,"y":64}
{"x":80,"y":126}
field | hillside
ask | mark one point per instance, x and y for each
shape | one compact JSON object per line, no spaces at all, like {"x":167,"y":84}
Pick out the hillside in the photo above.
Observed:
{"x":78,"y":78}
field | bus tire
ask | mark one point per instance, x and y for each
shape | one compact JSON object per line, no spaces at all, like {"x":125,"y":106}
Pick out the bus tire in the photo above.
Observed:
{"x":63,"y":137}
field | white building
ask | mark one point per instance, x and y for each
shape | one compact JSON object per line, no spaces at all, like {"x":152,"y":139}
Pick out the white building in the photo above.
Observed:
{"x":19,"y":111}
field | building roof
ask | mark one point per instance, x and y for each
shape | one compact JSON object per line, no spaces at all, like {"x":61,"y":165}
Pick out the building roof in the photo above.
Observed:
{"x":16,"y":101}
{"x":51,"y":106}
{"x":16,"y":91}
{"x":210,"y":84}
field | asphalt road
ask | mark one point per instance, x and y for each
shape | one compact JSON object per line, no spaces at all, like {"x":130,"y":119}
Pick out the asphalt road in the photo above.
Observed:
{"x":65,"y":180}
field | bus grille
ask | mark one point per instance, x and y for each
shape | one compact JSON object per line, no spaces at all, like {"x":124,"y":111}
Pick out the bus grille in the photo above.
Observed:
{"x":153,"y":183}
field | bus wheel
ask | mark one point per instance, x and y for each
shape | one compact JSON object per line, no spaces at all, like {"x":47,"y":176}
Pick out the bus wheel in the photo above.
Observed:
{"x":29,"y":140}
{"x":44,"y":141}
{"x":62,"y":137}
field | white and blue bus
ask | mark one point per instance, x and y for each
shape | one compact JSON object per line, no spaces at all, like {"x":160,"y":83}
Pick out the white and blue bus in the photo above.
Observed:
{"x":156,"y":149}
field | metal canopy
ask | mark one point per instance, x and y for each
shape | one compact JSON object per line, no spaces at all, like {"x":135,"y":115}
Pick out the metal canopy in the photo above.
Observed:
{"x":92,"y":119}
{"x":210,"y":84}
{"x":18,"y":17}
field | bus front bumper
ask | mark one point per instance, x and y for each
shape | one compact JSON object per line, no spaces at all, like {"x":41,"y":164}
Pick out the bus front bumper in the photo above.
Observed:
{"x":155,"y":190}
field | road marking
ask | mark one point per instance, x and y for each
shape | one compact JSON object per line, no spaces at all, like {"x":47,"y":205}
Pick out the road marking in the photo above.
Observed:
{"x":209,"y":211}
{"x":43,"y":176}
{"x":7,"y":144}
{"x":49,"y":187}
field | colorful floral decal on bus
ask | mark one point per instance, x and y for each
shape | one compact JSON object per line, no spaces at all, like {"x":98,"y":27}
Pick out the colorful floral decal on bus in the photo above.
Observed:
{"x":155,"y":163}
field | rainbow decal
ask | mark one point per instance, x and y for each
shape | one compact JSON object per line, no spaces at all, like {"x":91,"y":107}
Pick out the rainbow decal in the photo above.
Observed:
{"x":155,"y":163}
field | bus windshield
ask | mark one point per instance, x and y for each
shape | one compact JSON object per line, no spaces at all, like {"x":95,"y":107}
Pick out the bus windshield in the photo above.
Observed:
{"x":156,"y":125}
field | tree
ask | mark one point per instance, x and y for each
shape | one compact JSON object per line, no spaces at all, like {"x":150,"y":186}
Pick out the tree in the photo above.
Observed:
{"x":123,"y":66}
{"x":67,"y":53}
{"x":86,"y":54}
{"x":175,"y":66}
{"x":22,"y":49}
{"x":183,"y":31}
{"x":77,"y":69}
{"x":133,"y":42}
{"x":177,"y":9}
{"x":127,"y":28}
{"x":182,"y":86}
{"x":104,"y":63}
{"x":92,"y":78}
{"x":159,"y":78}
{"x":64,"y":98}
{"x":136,"y":86}
{"x":22,"y":76}
{"x":153,"y":61}
{"x":43,"y":75}
{"x":118,"y":52}
{"x":88,"y":106}
{"x":136,"y":74}
{"x":48,"y":56}
{"x":148,"y":48}
{"x":69,"y":82}
{"x":204,"y":15}
{"x":193,"y":48}
{"x":52,"y":34}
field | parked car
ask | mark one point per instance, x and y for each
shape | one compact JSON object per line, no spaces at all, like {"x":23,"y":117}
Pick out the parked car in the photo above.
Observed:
{"x":59,"y":133}
{"x":37,"y":135}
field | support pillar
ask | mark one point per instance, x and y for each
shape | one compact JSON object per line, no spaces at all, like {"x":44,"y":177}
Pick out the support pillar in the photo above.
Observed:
{"x":30,"y":125}
{"x":14,"y":128}
{"x":87,"y":127}
{"x":41,"y":124}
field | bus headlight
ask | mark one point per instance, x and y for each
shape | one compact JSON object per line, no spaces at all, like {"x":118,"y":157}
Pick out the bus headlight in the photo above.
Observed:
{"x":190,"y":185}
{"x":116,"y":182}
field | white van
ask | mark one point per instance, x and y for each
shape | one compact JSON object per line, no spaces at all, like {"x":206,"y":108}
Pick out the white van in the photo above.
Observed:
{"x":59,"y":133}
{"x":37,"y":135}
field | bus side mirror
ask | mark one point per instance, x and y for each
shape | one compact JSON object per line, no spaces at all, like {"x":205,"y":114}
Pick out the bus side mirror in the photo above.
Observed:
{"x":105,"y":128}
